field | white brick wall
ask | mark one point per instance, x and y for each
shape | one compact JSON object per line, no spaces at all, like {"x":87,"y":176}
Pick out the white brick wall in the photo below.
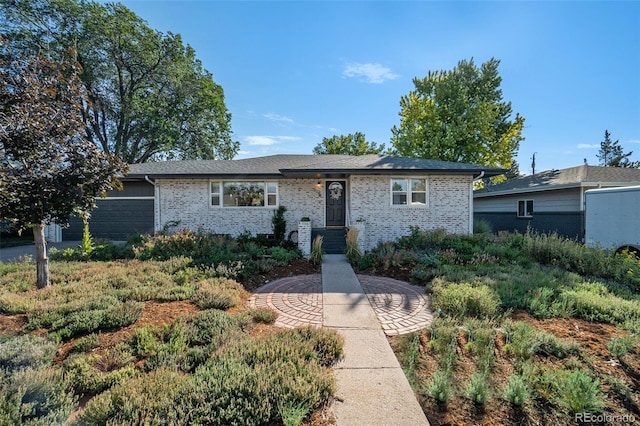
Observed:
{"x":304,"y":238}
{"x":449,"y":207}
{"x":187,"y":200}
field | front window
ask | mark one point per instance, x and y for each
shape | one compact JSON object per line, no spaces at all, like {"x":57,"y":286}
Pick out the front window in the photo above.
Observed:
{"x":244,"y":194}
{"x":409,"y":192}
{"x":525,"y":208}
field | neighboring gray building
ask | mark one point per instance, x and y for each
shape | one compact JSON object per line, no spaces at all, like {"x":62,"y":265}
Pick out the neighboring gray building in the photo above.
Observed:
{"x":550,"y":201}
{"x":386,"y":194}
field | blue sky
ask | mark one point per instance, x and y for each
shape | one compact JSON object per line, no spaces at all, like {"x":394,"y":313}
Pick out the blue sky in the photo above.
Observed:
{"x":294,"y":72}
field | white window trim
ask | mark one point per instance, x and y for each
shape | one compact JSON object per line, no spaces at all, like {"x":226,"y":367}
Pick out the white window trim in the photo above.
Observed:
{"x":526,"y":213}
{"x":266,"y":194}
{"x":409,"y":192}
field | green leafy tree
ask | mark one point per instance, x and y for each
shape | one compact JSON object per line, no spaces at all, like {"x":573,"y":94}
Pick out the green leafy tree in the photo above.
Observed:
{"x":49,"y":170}
{"x":149,"y":97}
{"x":611,"y":154}
{"x":460,"y":116}
{"x":352,"y":144}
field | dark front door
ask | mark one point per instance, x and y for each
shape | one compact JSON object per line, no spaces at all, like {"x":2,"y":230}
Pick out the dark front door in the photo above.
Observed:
{"x":335,"y":196}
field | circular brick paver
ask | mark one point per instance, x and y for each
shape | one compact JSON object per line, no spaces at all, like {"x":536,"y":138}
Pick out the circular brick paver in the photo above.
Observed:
{"x":297,"y":300}
{"x":400,"y":307}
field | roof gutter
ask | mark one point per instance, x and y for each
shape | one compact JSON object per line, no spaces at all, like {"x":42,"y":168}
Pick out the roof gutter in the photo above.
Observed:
{"x":146,"y":177}
{"x":480,"y":176}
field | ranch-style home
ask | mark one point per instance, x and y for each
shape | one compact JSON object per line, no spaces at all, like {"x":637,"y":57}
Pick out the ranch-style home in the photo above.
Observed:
{"x":383,"y":196}
{"x":549,"y":201}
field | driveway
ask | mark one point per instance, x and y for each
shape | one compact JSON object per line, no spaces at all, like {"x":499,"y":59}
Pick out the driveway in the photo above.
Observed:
{"x":13,"y":254}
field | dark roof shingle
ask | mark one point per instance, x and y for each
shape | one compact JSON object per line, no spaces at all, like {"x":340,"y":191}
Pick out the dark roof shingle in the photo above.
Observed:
{"x":303,"y":165}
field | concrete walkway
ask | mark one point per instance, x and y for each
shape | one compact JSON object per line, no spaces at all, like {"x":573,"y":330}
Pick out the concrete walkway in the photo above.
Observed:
{"x":372,"y":388}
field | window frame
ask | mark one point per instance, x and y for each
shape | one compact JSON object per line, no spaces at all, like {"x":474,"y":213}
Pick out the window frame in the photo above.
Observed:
{"x":266,"y":195}
{"x":408,"y":192}
{"x":527,"y":213}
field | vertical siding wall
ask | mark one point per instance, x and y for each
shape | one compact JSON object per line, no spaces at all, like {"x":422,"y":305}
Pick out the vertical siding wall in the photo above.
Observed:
{"x":559,"y":211}
{"x":449,"y":207}
{"x":187,"y":200}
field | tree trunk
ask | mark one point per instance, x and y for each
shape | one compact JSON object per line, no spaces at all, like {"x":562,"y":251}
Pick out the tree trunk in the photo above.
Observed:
{"x":42,"y":261}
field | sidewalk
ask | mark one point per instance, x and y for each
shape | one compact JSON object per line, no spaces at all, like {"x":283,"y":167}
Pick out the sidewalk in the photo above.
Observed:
{"x":372,"y":388}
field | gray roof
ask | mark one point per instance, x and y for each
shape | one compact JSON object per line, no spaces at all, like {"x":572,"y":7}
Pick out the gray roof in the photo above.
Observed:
{"x":304,"y":165}
{"x":580,"y":176}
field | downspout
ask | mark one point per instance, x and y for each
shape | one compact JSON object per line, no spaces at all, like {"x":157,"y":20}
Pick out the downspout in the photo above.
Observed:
{"x":156,"y":203}
{"x":480,"y":176}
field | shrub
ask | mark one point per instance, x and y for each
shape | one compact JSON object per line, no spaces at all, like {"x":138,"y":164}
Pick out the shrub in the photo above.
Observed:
{"x":420,"y":240}
{"x":620,"y":346}
{"x":122,"y":315}
{"x":204,"y":249}
{"x":279,"y":224}
{"x":443,"y":340}
{"x":411,"y":354}
{"x":225,"y":391}
{"x":116,"y":357}
{"x":420,"y":275}
{"x":87,"y":376}
{"x":387,"y":256}
{"x":145,"y":341}
{"x":481,"y":343}
{"x":86,"y":316}
{"x":320,"y":346}
{"x":282,"y":255}
{"x":524,"y":341}
{"x":367,"y":261}
{"x":254,"y":380}
{"x":21,"y":352}
{"x":545,"y":303}
{"x":148,"y":399}
{"x":620,"y":388}
{"x":462,"y":299}
{"x":316,"y":250}
{"x":579,"y":392}
{"x":555,"y":250}
{"x":440,"y":387}
{"x":212,"y":298}
{"x":36,"y":397}
{"x":352,"y":251}
{"x":213,"y":328}
{"x":516,"y":391}
{"x":77,"y":323}
{"x":482,"y":226}
{"x":264,"y":315}
{"x":292,"y":415}
{"x":87,"y":343}
{"x":217,"y":293}
{"x":171,"y":352}
{"x":88,"y":250}
{"x":230,"y":270}
{"x":601,"y":308}
{"x":326,"y":344}
{"x":479,"y":388}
